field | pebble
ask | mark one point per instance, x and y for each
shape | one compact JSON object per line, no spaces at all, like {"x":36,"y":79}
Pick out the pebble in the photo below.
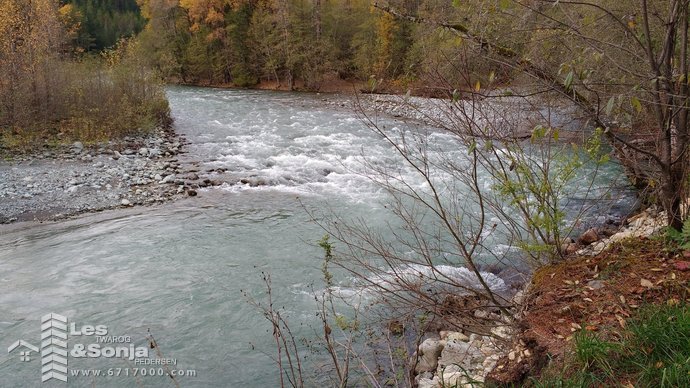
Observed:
{"x":79,"y":181}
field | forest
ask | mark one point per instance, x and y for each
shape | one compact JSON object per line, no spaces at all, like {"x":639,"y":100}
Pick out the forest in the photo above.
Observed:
{"x":80,"y":75}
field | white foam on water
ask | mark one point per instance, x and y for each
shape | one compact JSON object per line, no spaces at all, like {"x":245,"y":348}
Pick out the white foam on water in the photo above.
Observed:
{"x":441,"y":277}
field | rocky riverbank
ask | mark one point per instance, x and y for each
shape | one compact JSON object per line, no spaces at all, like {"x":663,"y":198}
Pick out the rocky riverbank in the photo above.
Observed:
{"x":510,"y":353}
{"x":72,"y":179}
{"x":499,"y":114}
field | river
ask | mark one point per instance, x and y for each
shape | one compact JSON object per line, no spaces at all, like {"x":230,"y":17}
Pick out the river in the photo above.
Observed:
{"x":180,"y":269}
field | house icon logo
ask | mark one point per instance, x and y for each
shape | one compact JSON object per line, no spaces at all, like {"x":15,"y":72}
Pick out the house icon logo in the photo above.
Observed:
{"x":53,"y":348}
{"x":24,"y":355}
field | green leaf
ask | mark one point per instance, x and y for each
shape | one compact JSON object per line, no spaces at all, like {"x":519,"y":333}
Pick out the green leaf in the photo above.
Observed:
{"x":569,"y":80}
{"x":456,"y":95}
{"x":609,"y":106}
{"x":472,"y":147}
{"x":636,"y":104}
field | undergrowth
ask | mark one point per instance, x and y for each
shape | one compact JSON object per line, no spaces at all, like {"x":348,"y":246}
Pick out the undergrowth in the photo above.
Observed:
{"x":654,"y":352}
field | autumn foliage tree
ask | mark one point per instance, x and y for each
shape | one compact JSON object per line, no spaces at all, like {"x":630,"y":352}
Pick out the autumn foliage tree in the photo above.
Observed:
{"x":51,"y":91}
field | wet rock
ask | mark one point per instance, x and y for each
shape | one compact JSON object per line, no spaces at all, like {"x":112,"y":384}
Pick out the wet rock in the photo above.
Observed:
{"x":191,"y":193}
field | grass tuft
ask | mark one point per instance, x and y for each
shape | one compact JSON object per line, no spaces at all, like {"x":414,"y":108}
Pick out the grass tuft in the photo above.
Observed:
{"x":654,"y":352}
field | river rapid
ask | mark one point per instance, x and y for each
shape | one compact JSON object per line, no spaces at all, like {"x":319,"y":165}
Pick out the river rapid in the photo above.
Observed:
{"x":179,"y":271}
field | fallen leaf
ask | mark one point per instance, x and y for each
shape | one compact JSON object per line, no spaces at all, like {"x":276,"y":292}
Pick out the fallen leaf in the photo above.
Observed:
{"x":646,"y":283}
{"x":656,"y":269}
{"x":682,"y":265}
{"x":587,"y":300}
{"x":622,"y":298}
{"x":621,"y":321}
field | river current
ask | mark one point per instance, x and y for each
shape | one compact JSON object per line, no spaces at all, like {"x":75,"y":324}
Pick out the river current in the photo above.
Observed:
{"x":180,"y":271}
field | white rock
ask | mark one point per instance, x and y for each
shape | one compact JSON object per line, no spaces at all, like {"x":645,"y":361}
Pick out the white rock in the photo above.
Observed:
{"x":457,"y":336}
{"x":125,"y":202}
{"x":429,"y":352}
{"x":168,"y":179}
{"x":428,"y":383}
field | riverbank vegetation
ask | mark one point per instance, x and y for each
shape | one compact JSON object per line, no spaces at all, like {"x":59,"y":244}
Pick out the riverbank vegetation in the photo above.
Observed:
{"x":618,"y":319}
{"x":53,"y":91}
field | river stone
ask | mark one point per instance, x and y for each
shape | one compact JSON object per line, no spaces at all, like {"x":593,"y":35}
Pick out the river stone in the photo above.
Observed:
{"x":452,"y":376}
{"x":428,"y":383}
{"x":125,"y":202}
{"x":429,"y":351}
{"x":457,"y":337}
{"x":456,"y":353}
{"x":77,"y":147}
{"x":589,"y":237}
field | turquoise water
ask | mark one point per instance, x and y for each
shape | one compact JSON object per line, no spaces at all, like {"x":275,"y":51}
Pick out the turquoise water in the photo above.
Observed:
{"x":181,"y":269}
